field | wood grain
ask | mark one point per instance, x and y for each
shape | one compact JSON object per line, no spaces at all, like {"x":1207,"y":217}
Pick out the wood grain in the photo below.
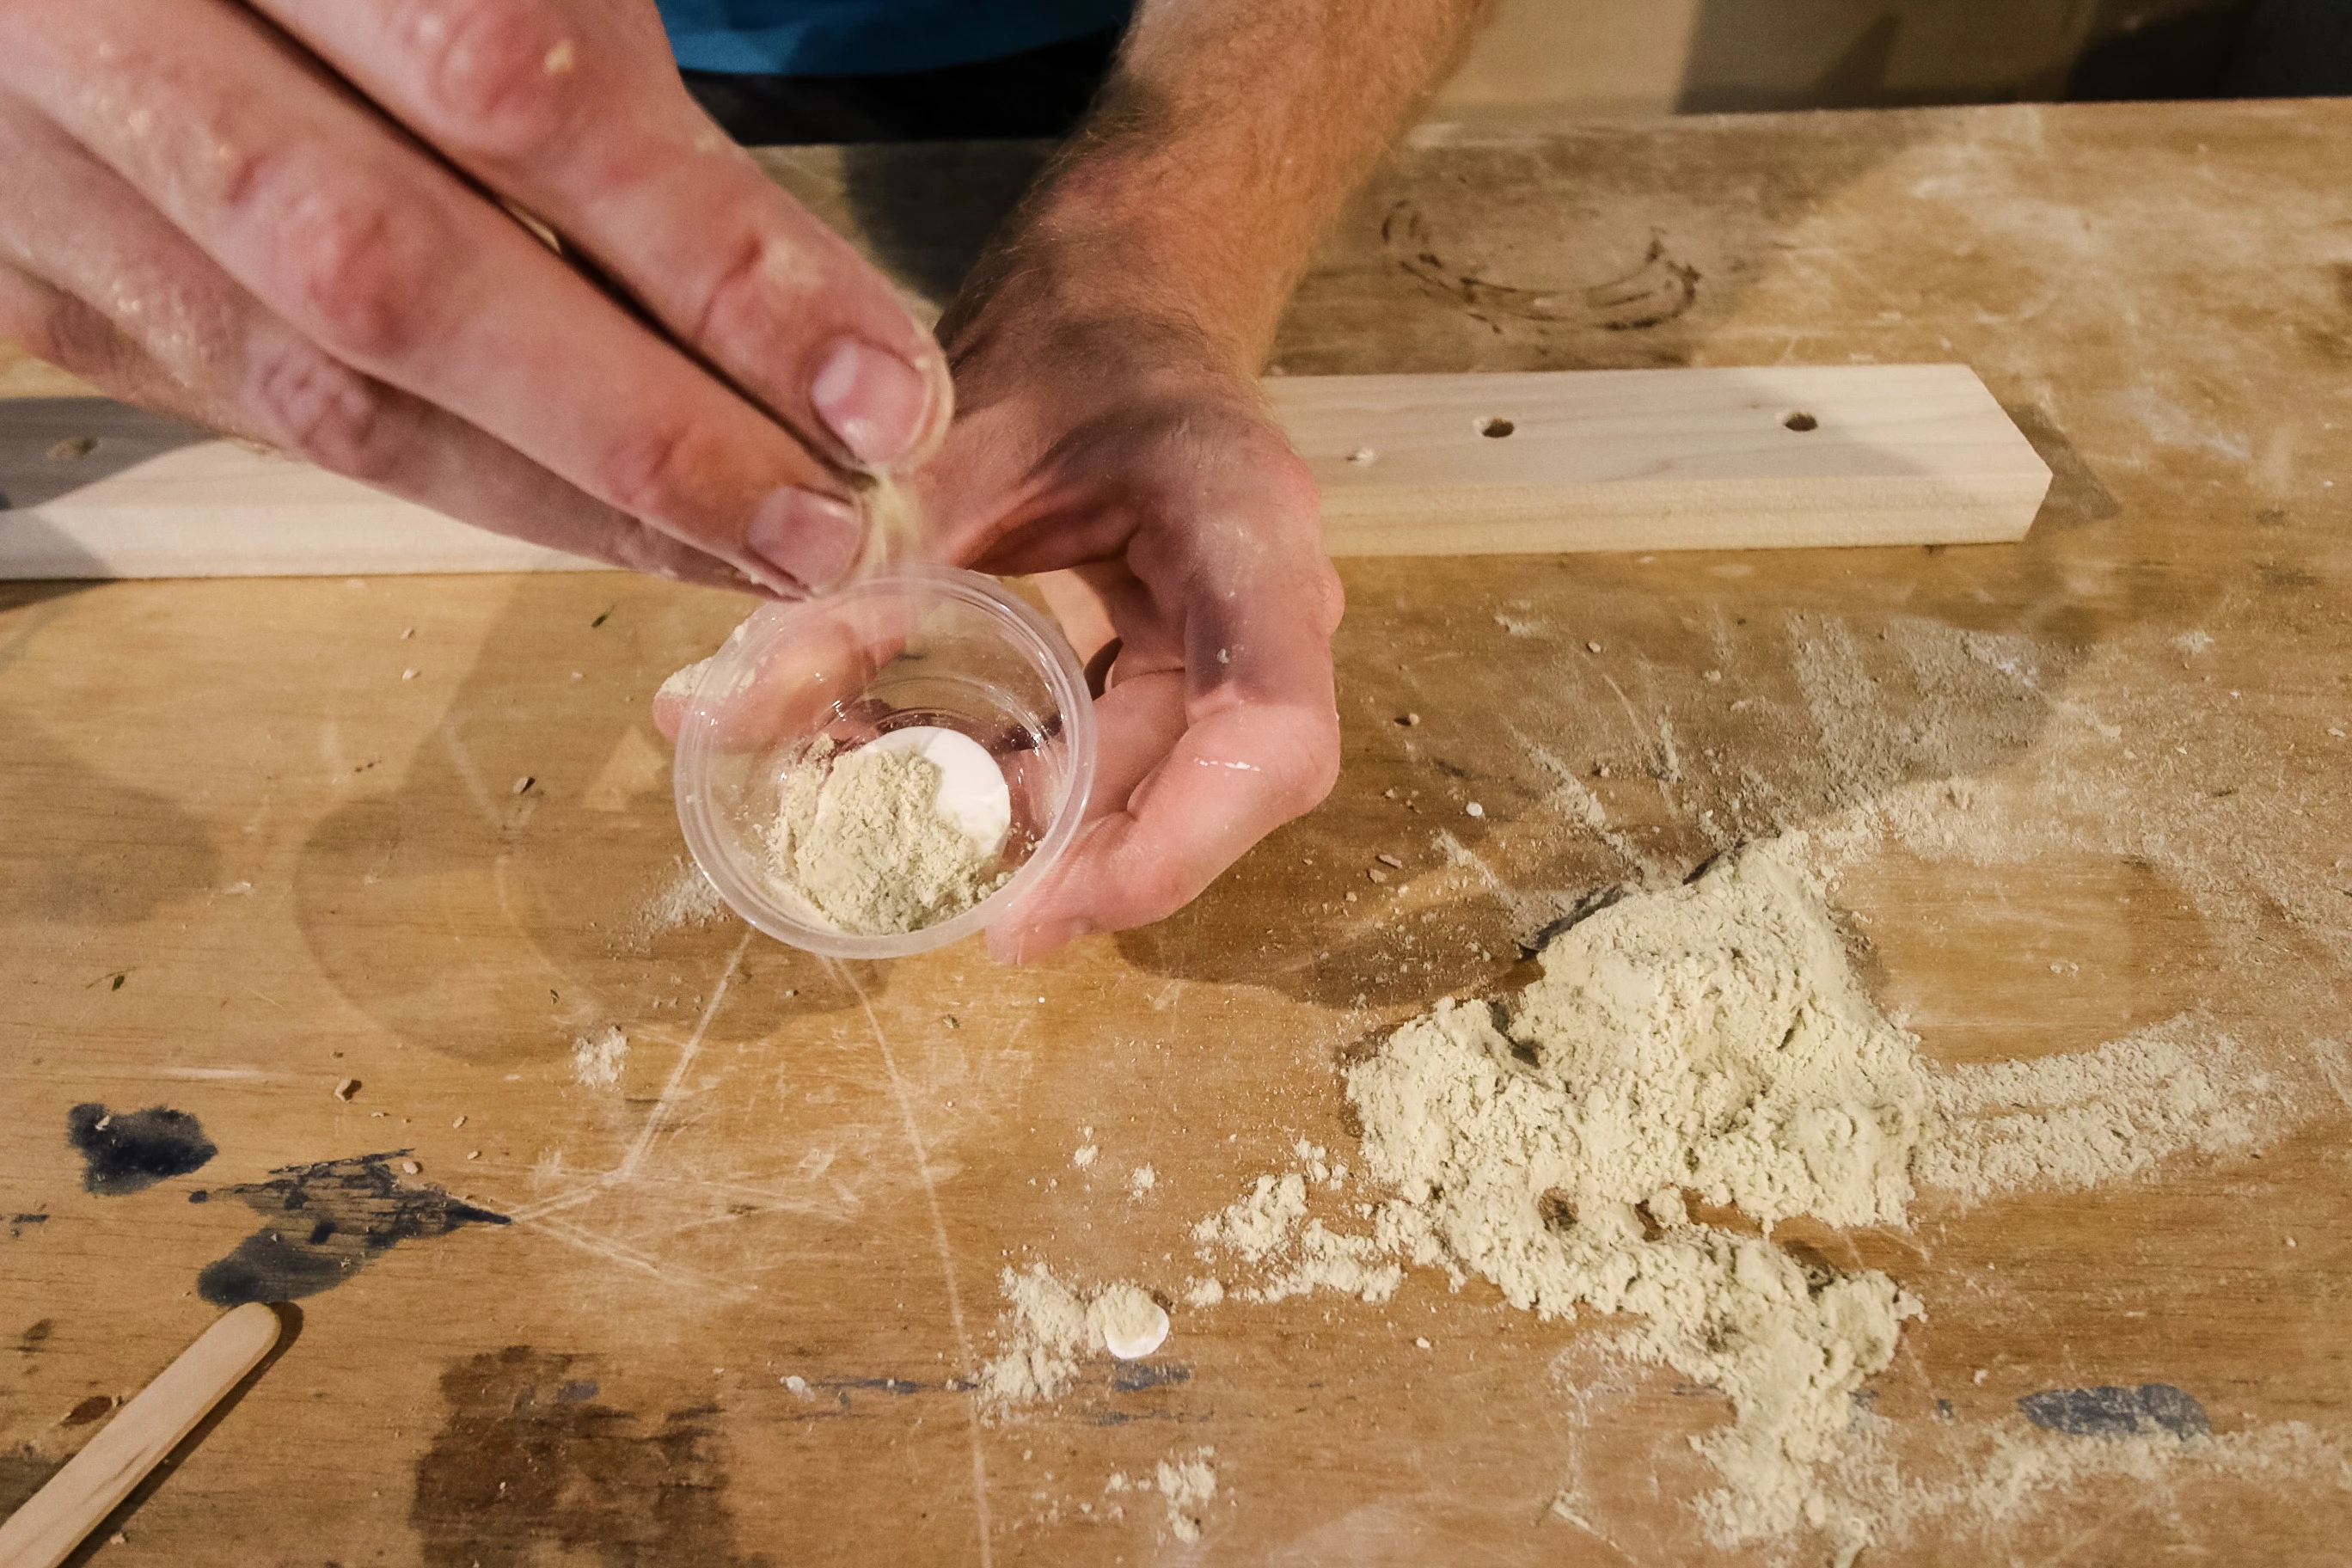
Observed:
{"x":1771,"y":457}
{"x":1408,"y":464}
{"x":99,"y":490}
{"x":2087,"y":785}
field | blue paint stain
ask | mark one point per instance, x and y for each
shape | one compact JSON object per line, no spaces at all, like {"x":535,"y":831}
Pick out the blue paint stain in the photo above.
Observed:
{"x":2112,"y":1412}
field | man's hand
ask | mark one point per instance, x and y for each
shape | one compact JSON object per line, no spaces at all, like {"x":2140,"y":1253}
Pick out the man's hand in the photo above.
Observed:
{"x":1105,"y":354}
{"x":1182,"y":549}
{"x":284,"y":219}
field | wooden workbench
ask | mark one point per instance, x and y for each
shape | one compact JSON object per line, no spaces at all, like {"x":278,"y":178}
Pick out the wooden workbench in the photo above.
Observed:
{"x":243,"y":858}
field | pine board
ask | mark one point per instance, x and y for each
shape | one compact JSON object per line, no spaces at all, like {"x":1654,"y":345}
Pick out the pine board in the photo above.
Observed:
{"x":1727,"y":459}
{"x":1657,"y":459}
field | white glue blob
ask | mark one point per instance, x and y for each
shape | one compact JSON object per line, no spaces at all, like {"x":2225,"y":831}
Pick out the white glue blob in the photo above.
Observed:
{"x":1131,"y":1323}
{"x":973,"y":795}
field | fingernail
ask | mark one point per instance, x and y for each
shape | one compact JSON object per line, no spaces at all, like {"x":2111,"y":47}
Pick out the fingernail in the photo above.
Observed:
{"x":811,"y":538}
{"x":875,"y":401}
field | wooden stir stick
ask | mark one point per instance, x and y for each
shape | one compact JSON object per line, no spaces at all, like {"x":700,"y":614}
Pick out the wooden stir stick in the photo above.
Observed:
{"x":95,"y":1482}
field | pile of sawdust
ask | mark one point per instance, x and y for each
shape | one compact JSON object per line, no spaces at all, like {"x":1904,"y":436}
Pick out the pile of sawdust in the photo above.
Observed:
{"x":1710,"y":1043}
{"x":2077,"y":1121}
{"x":1189,"y":1482}
{"x":862,"y":838}
{"x":1268,"y":1225}
{"x":1259,"y":1222}
{"x":1710,"y":1038}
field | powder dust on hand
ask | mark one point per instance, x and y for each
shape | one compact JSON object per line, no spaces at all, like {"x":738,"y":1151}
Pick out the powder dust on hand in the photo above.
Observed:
{"x":879,"y":840}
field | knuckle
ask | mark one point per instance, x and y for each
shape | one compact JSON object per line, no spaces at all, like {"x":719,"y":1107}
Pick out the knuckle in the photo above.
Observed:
{"x":353,"y":269}
{"x":1291,"y":483}
{"x":325,"y":412}
{"x":648,"y":474}
{"x":1156,"y":889}
{"x":741,"y":292}
{"x":57,"y":328}
{"x":1331,"y":602}
{"x":492,"y":77}
{"x":1315,"y":769}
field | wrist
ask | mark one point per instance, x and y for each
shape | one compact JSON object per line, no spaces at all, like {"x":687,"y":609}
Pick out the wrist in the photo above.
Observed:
{"x":1119,"y":250}
{"x":1058,"y":331}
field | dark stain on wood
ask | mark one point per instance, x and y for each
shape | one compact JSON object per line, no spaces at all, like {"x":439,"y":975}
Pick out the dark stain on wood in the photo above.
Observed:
{"x":1653,"y":291}
{"x":131,"y":1151}
{"x":23,"y":1472}
{"x":34,"y":1338}
{"x":523,"y":1469}
{"x":324,"y":1223}
{"x":1132,"y":1376}
{"x":2112,"y":1412}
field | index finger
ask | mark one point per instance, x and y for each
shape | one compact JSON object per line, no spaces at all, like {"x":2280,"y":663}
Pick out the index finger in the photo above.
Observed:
{"x":350,"y":234}
{"x":577,"y":112}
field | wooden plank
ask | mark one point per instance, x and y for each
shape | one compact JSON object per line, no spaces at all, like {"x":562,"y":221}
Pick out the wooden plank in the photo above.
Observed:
{"x":98,"y":488}
{"x":1545,"y":462}
{"x":1409,"y":465}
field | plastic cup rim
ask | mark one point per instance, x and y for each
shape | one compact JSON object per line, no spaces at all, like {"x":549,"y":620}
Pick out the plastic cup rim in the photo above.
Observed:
{"x":1039,"y":641}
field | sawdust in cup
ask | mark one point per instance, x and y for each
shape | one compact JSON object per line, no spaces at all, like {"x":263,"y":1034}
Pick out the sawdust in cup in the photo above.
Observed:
{"x":882,"y":771}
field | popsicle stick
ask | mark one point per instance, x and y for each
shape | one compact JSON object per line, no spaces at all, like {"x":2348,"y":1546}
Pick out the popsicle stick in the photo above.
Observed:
{"x":94,"y":1482}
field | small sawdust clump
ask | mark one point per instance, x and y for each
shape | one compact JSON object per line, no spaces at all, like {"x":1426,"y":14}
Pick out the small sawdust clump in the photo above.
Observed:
{"x":681,"y":683}
{"x":859,"y":836}
{"x":1261,"y":1222}
{"x":1049,"y":1333}
{"x":1189,"y":1483}
{"x":1054,"y":1324}
{"x":687,"y":899}
{"x":1268,"y":1225}
{"x":596,"y":1059}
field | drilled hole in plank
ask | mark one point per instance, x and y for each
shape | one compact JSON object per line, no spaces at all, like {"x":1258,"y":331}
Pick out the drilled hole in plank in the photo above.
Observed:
{"x":1496,"y":428}
{"x":1800,"y":421}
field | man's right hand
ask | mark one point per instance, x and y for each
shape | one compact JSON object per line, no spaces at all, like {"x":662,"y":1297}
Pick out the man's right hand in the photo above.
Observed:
{"x":283,"y":220}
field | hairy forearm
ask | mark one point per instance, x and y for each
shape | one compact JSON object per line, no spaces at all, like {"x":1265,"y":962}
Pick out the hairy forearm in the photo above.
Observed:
{"x":1229,"y":137}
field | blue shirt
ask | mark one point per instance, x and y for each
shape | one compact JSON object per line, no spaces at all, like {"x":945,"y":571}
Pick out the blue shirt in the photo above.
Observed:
{"x":871,"y":38}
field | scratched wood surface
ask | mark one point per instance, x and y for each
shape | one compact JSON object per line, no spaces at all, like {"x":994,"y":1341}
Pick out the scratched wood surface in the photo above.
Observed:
{"x":2089,"y":784}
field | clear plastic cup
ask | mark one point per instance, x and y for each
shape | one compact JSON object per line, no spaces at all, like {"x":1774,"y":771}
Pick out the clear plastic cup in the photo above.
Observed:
{"x":911,"y":644}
